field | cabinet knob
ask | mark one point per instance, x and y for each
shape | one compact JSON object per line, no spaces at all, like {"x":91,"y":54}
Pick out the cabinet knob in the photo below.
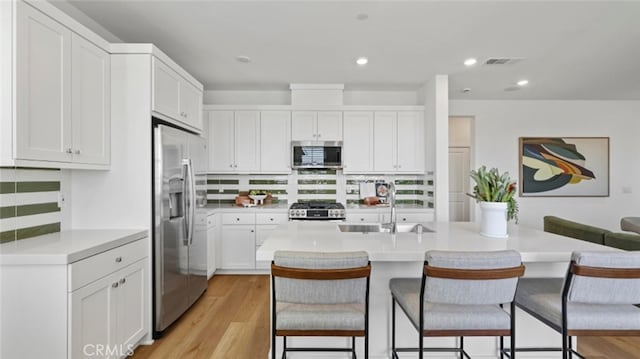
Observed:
{"x":118,"y":259}
{"x":404,"y":219}
{"x":362,"y":219}
{"x":235,"y":165}
{"x":237,"y":219}
{"x":77,"y":152}
{"x":69,"y":150}
{"x":231,"y":165}
{"x":252,"y":231}
{"x":271,"y":219}
{"x":123,"y":280}
{"x":114,"y":285}
{"x":319,"y":135}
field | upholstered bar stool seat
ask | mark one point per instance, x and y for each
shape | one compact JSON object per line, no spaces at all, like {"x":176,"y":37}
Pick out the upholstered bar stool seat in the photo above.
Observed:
{"x":597,"y":298}
{"x":460,"y":294}
{"x":440,"y":316}
{"x":320,"y":294}
{"x":543,"y":297}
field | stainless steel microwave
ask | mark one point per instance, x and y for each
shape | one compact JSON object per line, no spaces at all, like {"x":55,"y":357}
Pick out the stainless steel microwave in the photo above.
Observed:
{"x":315,"y":154}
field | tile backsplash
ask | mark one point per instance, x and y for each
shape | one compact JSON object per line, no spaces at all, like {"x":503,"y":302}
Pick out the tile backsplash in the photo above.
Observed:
{"x":28,"y":202}
{"x":318,"y":185}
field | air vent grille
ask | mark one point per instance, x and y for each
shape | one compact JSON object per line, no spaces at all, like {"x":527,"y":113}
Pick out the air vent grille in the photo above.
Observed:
{"x":503,"y":60}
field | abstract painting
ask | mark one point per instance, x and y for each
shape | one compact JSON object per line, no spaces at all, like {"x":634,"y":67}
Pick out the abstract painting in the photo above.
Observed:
{"x":564,"y":166}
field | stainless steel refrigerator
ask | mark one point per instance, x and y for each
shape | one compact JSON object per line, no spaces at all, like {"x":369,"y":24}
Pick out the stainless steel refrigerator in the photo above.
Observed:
{"x":180,"y":244}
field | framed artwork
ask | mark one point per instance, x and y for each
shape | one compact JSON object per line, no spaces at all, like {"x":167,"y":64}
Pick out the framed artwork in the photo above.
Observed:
{"x":564,"y":166}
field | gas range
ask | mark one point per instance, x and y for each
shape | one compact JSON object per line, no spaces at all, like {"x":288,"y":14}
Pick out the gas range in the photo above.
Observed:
{"x":319,"y":211}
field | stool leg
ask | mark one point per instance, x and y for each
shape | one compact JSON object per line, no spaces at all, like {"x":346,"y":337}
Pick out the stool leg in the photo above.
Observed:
{"x":393,"y":327}
{"x":284,"y":347}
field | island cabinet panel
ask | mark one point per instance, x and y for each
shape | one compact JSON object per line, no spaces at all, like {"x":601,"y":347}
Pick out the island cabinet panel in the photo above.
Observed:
{"x":358,"y":142}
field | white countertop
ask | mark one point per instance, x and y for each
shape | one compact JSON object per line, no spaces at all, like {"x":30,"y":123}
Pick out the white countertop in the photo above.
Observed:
{"x":385,"y":207}
{"x":66,"y":247}
{"x":534,"y":245}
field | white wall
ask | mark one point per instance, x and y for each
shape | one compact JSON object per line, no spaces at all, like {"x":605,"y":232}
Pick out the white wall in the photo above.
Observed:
{"x":499,"y":124}
{"x":232,"y":97}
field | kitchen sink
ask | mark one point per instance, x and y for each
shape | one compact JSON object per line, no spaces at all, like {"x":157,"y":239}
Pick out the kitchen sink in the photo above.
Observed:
{"x":374,"y":227}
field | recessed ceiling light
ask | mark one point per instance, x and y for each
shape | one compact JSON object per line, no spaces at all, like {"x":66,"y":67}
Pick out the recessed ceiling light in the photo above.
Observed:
{"x":362,"y":61}
{"x":470,"y":62}
{"x":243,"y":59}
{"x":362,"y":16}
{"x":522,"y":82}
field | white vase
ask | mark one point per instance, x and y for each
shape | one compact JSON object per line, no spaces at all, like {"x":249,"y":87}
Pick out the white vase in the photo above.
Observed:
{"x":493,"y":219}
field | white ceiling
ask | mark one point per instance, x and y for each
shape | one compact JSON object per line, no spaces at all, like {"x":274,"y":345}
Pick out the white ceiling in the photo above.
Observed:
{"x":571,"y":50}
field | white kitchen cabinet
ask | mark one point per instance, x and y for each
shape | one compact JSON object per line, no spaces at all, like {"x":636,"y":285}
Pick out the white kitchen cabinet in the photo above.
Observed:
{"x":398,"y":142}
{"x":416,"y":216}
{"x":110,"y":312}
{"x":234,"y":141}
{"x":275,"y":141}
{"x":212,"y":244}
{"x":238,"y":246}
{"x":174,"y":96}
{"x":368,"y":216}
{"x":316,"y":126}
{"x":357,"y":148}
{"x":62,"y":94}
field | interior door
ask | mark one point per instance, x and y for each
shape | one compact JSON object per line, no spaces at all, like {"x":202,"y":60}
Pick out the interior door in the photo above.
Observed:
{"x":459,"y":202}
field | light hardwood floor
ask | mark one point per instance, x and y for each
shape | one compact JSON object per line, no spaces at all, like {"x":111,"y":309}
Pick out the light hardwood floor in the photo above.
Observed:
{"x":231,"y":320}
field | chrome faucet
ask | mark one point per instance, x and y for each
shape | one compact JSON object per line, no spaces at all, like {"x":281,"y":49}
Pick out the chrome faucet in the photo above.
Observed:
{"x":392,"y":203}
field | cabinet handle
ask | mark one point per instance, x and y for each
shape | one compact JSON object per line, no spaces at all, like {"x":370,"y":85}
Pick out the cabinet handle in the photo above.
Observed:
{"x":362,"y":219}
{"x":69,"y":150}
{"x":252,"y":231}
{"x":77,"y":152}
{"x":271,"y":219}
{"x":319,"y":135}
{"x":123,"y":280}
{"x":404,"y":219}
{"x":114,"y":285}
{"x":235,"y":165}
{"x":231,"y":165}
{"x":118,"y":259}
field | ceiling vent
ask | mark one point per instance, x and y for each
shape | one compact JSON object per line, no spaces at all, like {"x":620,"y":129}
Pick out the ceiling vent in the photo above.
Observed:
{"x":503,"y":60}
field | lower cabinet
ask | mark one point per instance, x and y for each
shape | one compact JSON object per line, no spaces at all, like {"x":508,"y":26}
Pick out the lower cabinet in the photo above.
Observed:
{"x":212,"y":245}
{"x":238,"y":246}
{"x":384,"y":216}
{"x":107,"y":316}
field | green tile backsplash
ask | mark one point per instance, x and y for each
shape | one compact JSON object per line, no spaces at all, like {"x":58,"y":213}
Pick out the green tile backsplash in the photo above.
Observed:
{"x":28,"y":202}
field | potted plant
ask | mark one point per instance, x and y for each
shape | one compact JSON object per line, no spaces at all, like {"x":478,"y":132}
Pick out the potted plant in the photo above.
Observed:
{"x":495,"y":194}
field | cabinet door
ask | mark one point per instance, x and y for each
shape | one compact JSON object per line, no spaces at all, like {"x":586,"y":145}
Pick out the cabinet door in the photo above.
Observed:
{"x":43,"y":76}
{"x":238,"y":247}
{"x":410,"y":142}
{"x":329,"y":127}
{"x":357,"y":147}
{"x":363,"y":217}
{"x":166,"y":90}
{"x":92,"y":319}
{"x":131,"y":298}
{"x":247,"y":141}
{"x":262,"y":233}
{"x":303,"y":126}
{"x":384,"y":139}
{"x":211,"y":251}
{"x":275,"y":141}
{"x":221,"y":145}
{"x":190,"y":105}
{"x":91,"y":105}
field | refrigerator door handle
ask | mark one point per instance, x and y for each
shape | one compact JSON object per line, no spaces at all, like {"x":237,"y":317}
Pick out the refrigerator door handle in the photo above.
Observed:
{"x":192,"y":200}
{"x":186,"y":187}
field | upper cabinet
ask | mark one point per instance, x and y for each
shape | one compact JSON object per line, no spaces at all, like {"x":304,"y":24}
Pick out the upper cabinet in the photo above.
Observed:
{"x":275,"y":141}
{"x":399,"y":145}
{"x":62,"y":95}
{"x":358,"y":143}
{"x":316,"y":126}
{"x":175,"y":97}
{"x":234,"y":141}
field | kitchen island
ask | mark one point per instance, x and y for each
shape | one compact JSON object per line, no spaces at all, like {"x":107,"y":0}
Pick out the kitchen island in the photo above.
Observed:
{"x":402,"y":255}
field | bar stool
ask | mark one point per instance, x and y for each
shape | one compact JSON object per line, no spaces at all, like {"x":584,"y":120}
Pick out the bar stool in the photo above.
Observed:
{"x":320,"y":294}
{"x":596,"y":298}
{"x":460,"y":294}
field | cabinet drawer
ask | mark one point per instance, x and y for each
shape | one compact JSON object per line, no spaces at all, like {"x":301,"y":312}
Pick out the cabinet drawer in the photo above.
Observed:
{"x":90,"y":269}
{"x":271,"y":218}
{"x":362,"y":217}
{"x":238,"y":218}
{"x":416,"y":217}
